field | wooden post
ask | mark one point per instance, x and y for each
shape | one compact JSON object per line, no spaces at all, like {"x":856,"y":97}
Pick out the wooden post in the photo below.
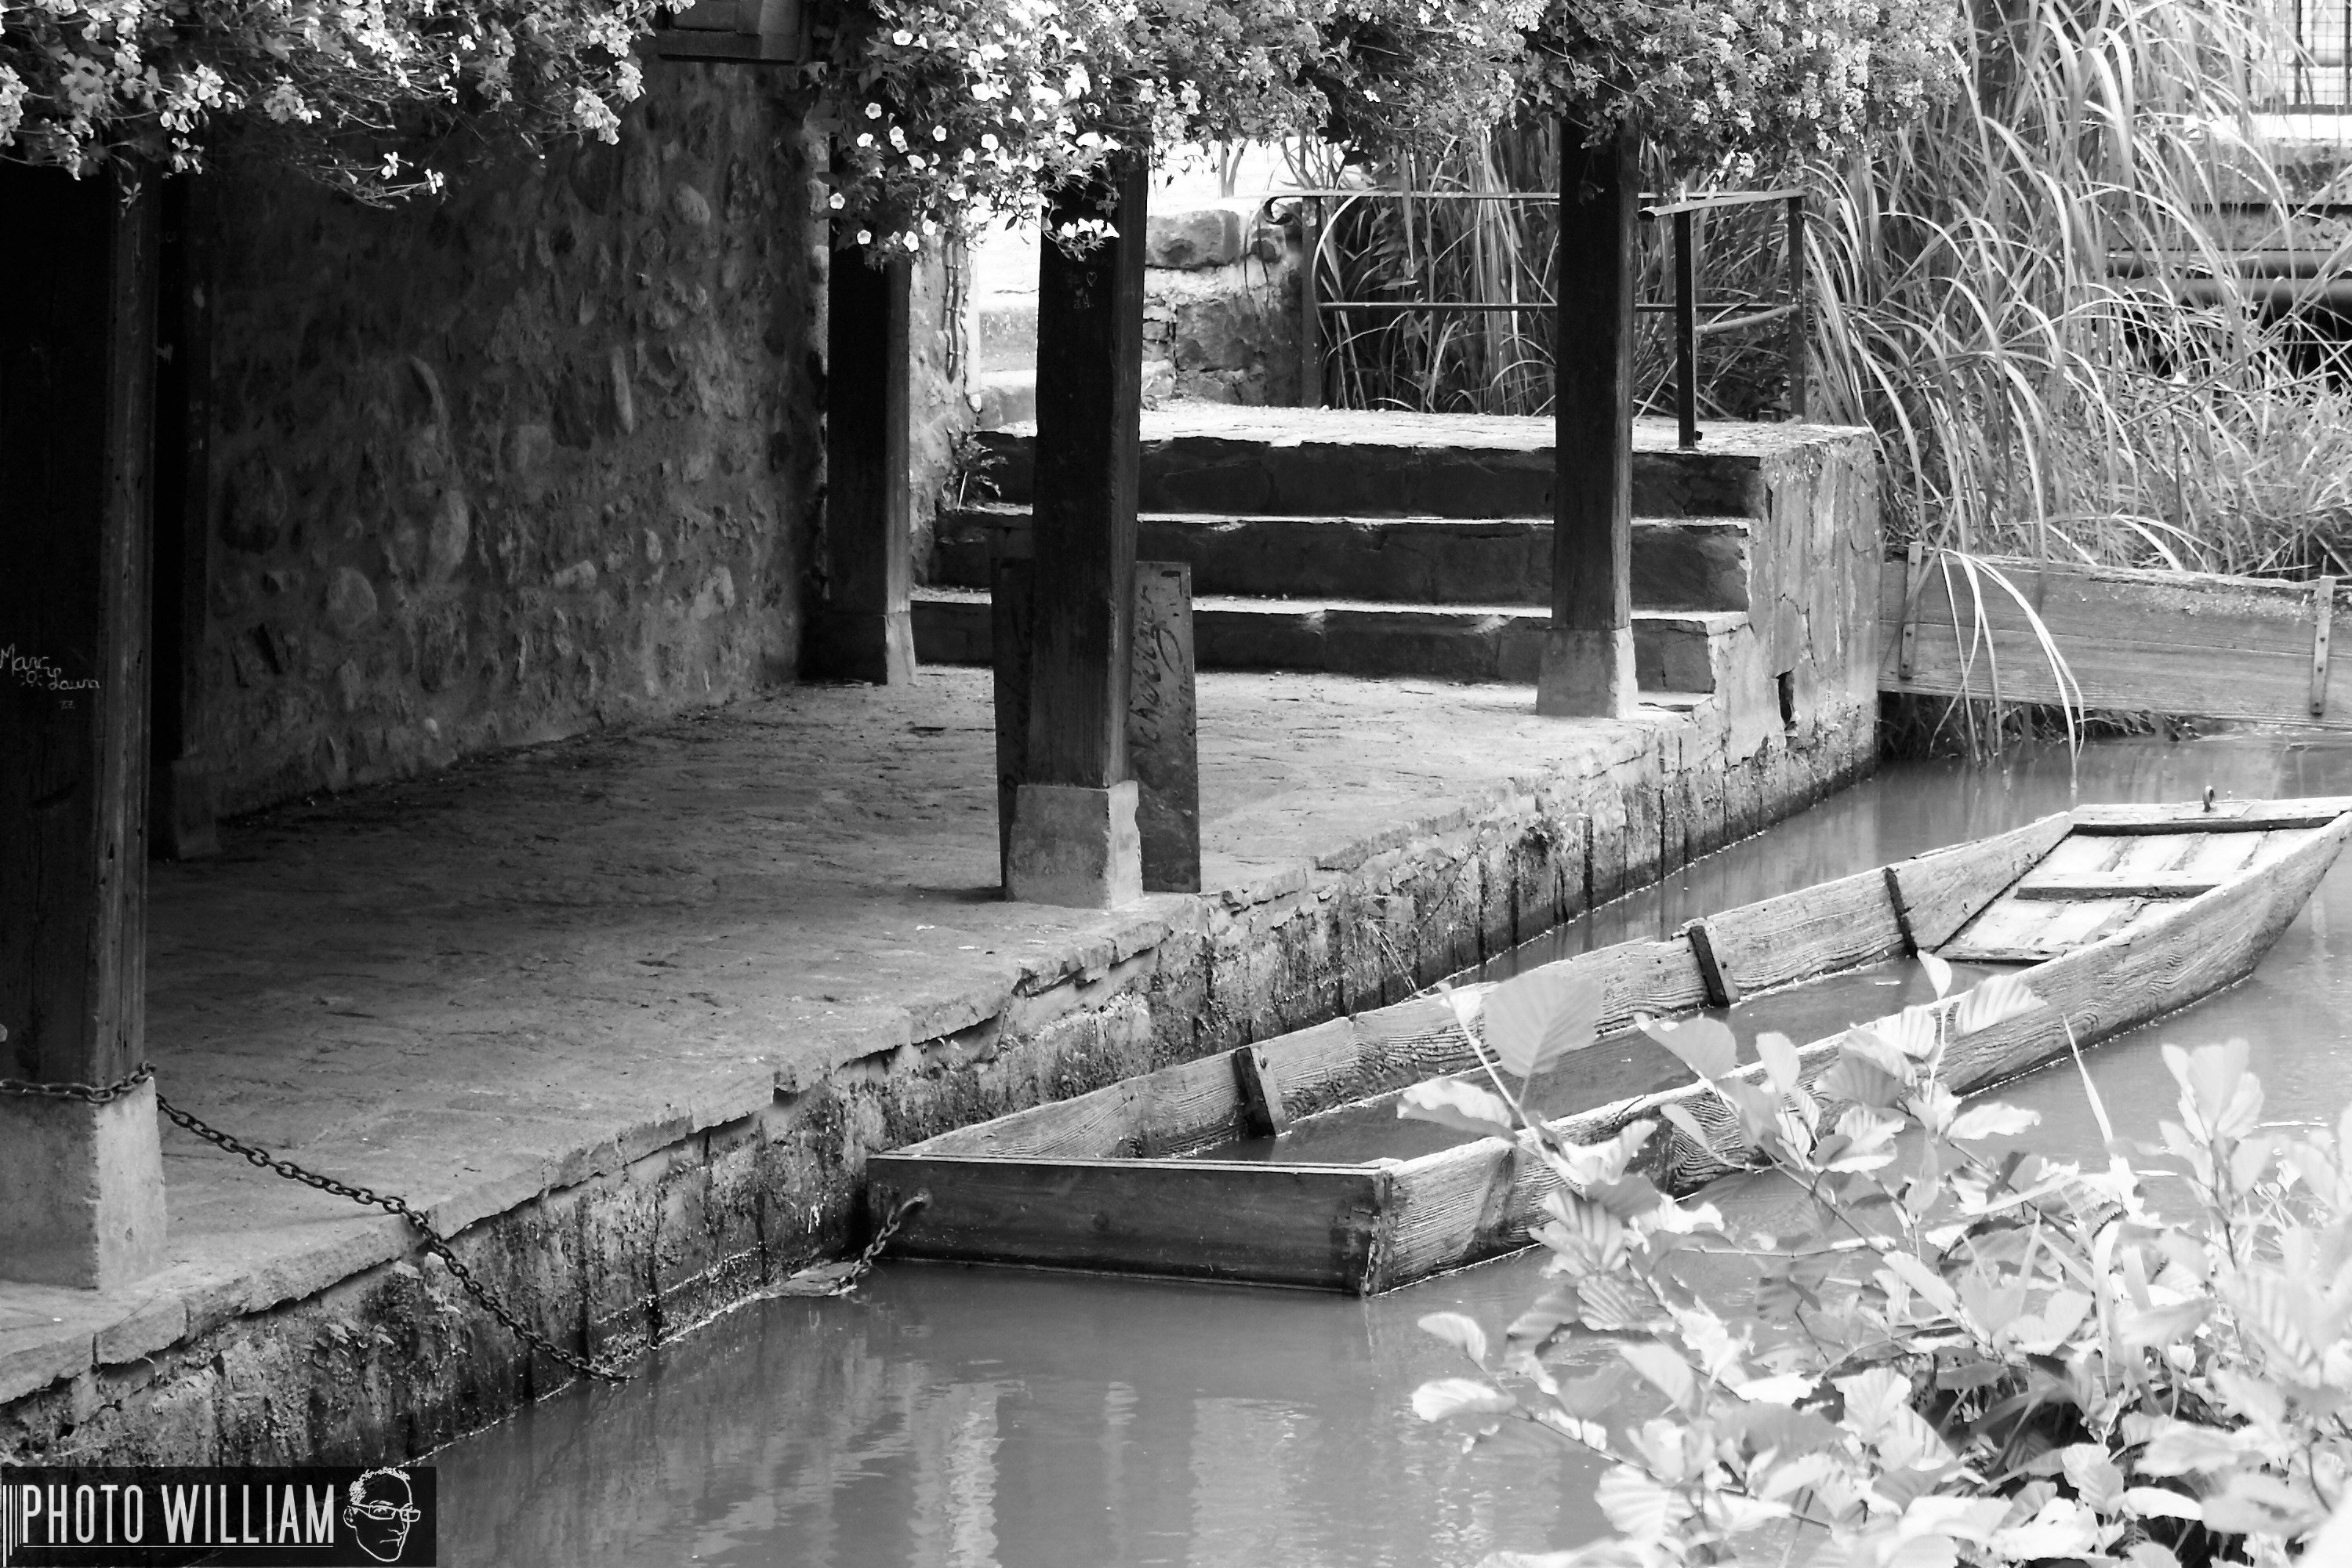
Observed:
{"x":1800,"y":317}
{"x":865,"y":629}
{"x":1163,"y":740}
{"x":1588,"y":663}
{"x":1163,"y":746}
{"x":179,"y":777}
{"x":1074,"y":832}
{"x":82,"y":1186}
{"x":1685,"y":332}
{"x":1310,"y":304}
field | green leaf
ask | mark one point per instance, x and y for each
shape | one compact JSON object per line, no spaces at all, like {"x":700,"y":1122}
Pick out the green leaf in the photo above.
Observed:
{"x":1996,"y":1001}
{"x":1860,"y":1079}
{"x":2159,"y":1502}
{"x":1663,"y":1367}
{"x":2098,"y":1483}
{"x":1993,"y":1120}
{"x":1598,"y":1396}
{"x":1939,"y":973}
{"x":1447,"y":1398}
{"x":1461,"y":1331}
{"x":1706,"y":1046}
{"x":1636,"y":1505}
{"x":1455,"y":1102}
{"x":1535,"y":1019}
{"x":1679,"y":1116}
{"x":1781,"y":1065}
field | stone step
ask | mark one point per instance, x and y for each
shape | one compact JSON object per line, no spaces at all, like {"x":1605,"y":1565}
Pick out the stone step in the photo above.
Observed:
{"x":1682,"y":564}
{"x":1007,"y":397}
{"x":1319,"y":462}
{"x":1682,"y":654}
{"x":1007,"y":330}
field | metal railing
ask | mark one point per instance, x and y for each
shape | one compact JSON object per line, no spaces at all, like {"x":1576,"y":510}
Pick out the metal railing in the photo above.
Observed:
{"x":1685,"y":306}
{"x":2314,"y":74}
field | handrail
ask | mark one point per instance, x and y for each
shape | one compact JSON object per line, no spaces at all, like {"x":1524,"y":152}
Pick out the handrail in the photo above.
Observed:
{"x":1683,"y":210}
{"x":1708,"y":201}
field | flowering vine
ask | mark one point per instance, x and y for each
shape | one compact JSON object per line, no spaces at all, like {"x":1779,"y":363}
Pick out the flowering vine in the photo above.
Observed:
{"x":367,"y":94}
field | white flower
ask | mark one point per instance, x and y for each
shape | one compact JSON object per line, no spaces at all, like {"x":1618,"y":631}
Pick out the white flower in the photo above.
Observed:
{"x":838,"y":201}
{"x":864,"y":237}
{"x":873,"y":111}
{"x":939,"y":132}
{"x":866,"y":139}
{"x":902,"y":37}
{"x":987,"y":140}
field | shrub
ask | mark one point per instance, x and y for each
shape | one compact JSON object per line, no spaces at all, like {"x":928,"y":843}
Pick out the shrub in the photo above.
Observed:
{"x":1967,"y":1355}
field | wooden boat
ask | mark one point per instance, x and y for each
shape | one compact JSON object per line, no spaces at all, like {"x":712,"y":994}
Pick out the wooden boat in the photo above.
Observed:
{"x":2113,"y":915}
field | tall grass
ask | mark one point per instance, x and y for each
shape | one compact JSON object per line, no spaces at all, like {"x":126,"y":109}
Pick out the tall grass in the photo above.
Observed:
{"x":1994,"y":296}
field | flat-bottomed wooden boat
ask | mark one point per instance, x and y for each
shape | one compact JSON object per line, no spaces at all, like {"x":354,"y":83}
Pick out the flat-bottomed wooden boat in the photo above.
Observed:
{"x":2113,"y":915}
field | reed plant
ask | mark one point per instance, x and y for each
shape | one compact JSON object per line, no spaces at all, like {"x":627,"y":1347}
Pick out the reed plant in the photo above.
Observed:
{"x":2027,"y":294}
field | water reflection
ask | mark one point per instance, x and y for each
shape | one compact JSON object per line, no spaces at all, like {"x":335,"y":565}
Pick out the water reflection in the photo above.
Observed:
{"x":973,"y":1418}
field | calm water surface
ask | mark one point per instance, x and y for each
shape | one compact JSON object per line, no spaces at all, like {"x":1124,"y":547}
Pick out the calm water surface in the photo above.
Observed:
{"x":965,"y":1417}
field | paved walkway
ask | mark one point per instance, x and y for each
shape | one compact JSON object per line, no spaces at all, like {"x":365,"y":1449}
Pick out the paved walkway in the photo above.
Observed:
{"x":475,"y":987}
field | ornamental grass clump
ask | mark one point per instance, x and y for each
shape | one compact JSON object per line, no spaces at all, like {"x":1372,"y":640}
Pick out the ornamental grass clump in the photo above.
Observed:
{"x":1962,"y":1352}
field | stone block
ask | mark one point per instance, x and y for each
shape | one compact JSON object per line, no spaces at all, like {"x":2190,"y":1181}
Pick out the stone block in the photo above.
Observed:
{"x":1207,"y":236}
{"x":81,"y":1190}
{"x":1075,"y":846}
{"x":1586,"y":674}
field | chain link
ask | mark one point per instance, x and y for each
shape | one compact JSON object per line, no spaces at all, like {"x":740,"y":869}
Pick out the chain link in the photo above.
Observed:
{"x":824,"y":1279}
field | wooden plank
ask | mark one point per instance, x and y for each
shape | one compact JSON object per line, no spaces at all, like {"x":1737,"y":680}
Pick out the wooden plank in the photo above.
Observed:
{"x":1008,"y":632}
{"x":1089,"y":400}
{"x":76,"y":366}
{"x":2112,"y":885}
{"x":1440,"y":1202}
{"x":1163,"y":739}
{"x":2222,"y":816}
{"x":1278,"y":1225}
{"x":2322,"y":607}
{"x":862,"y":628}
{"x":2230,"y":647}
{"x":1174,"y":1111}
{"x":1816,"y":930}
{"x":1943,"y":890}
{"x":1261,"y":1093}
{"x":1915,"y":582}
{"x":1592,"y":405}
{"x":2016,"y":929}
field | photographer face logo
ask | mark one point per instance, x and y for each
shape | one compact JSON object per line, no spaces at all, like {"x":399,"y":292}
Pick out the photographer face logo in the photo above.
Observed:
{"x":381,"y":1513}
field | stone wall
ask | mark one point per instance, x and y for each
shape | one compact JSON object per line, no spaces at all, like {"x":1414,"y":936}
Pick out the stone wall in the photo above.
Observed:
{"x":1221,"y":306}
{"x":534,"y":457}
{"x":939,"y":380}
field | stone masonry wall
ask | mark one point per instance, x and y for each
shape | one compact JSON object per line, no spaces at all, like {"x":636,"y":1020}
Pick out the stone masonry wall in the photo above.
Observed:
{"x":530,"y":459}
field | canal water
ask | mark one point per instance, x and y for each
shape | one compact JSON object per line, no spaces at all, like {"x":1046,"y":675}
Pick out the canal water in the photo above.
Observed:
{"x":954,"y":1417}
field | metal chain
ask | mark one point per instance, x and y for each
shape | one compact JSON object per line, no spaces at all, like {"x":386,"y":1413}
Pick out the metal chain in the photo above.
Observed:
{"x":827,"y":1280}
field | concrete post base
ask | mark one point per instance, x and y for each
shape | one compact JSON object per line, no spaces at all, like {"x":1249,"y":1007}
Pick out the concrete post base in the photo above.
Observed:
{"x":1587,"y":675}
{"x":81,"y":1190}
{"x":1075,"y":846}
{"x":872,"y":645}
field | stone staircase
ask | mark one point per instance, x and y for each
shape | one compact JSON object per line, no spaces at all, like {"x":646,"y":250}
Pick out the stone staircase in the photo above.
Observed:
{"x":1385,"y":545}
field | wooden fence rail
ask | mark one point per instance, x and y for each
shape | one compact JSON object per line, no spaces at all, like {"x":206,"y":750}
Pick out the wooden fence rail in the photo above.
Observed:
{"x":2161,"y":642}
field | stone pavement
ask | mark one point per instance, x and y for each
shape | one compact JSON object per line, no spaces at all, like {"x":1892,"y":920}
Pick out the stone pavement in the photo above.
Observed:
{"x":538,"y":967}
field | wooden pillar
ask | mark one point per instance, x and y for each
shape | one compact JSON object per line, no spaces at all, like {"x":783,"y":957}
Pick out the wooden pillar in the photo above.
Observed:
{"x":82,"y":1186}
{"x":1588,"y":664}
{"x":180,"y":824}
{"x":1074,"y":837}
{"x":864,"y":629}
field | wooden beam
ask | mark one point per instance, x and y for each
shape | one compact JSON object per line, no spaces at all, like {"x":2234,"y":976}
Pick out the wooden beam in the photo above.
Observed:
{"x":1588,"y":662}
{"x":864,"y":630}
{"x":80,"y":1185}
{"x":1073,"y":833}
{"x":180,"y":824}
